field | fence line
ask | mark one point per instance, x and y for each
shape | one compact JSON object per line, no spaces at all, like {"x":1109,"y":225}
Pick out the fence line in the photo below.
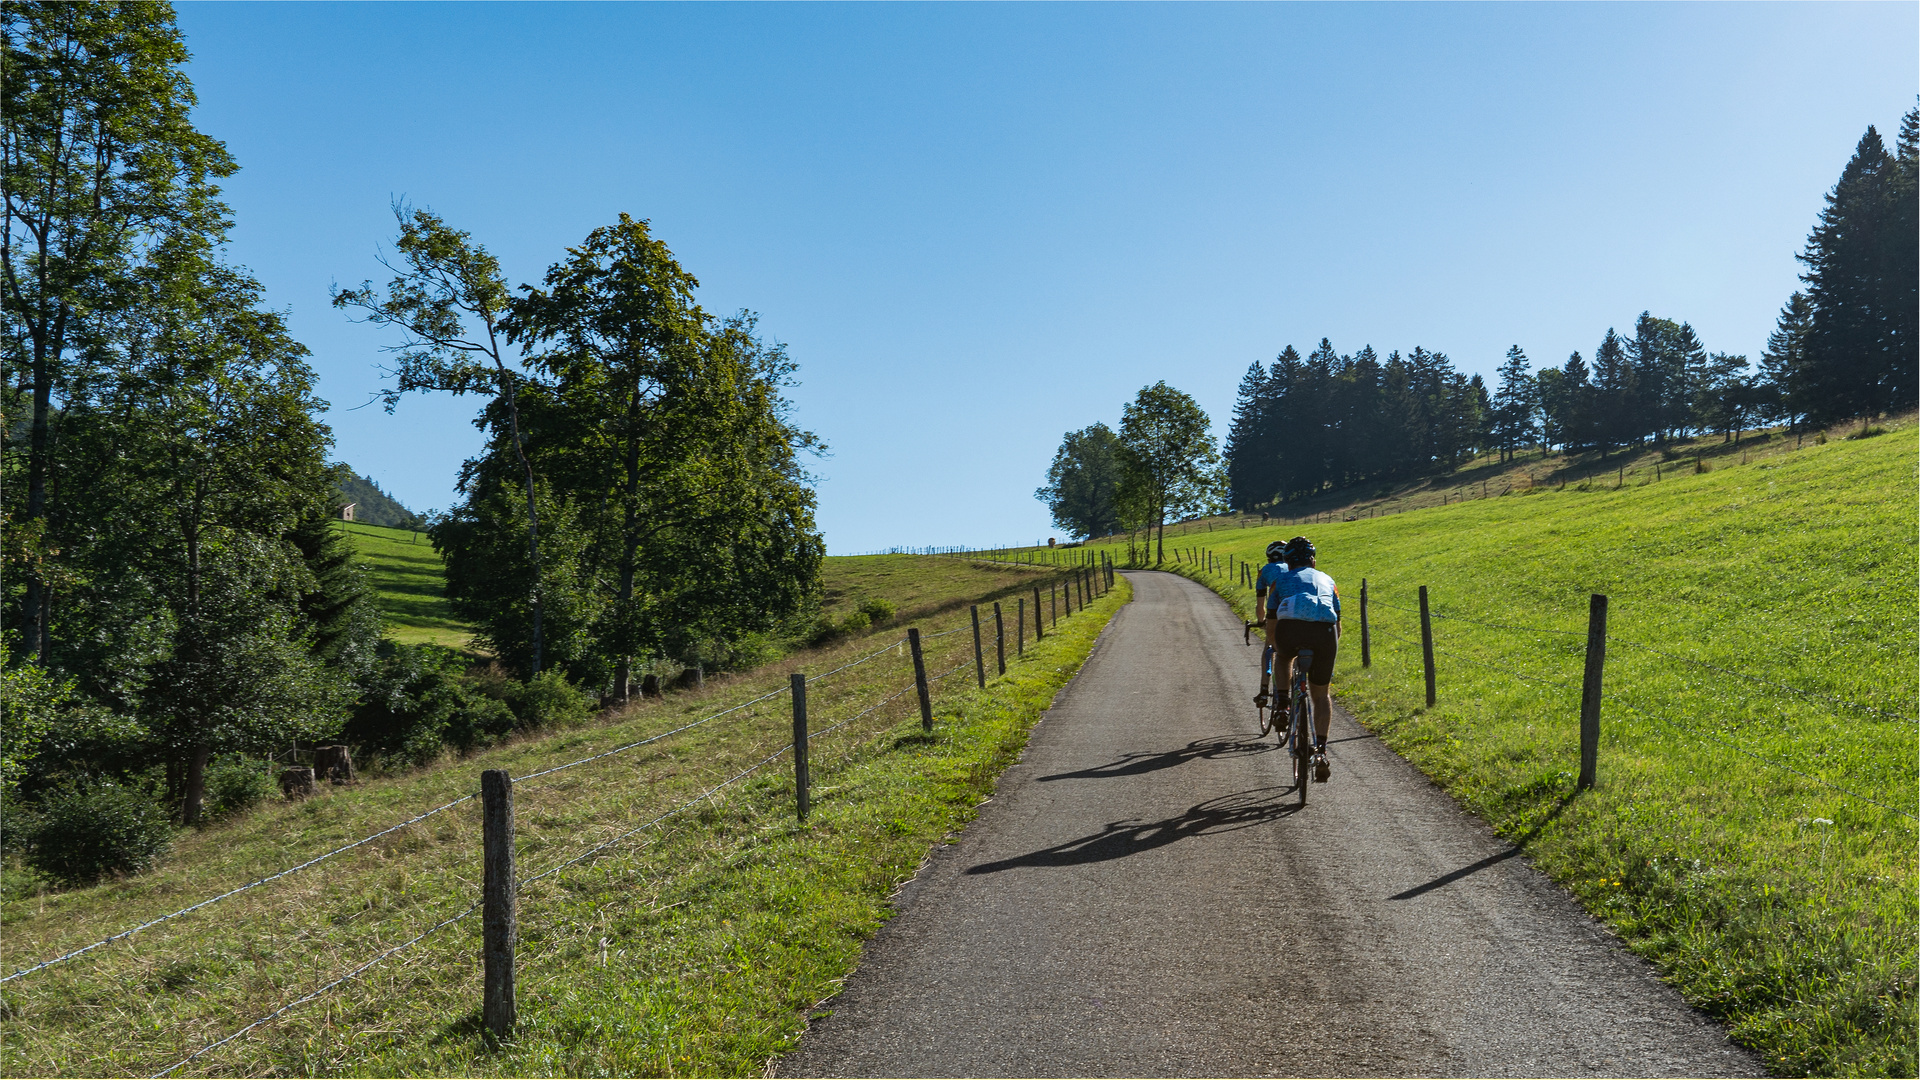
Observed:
{"x":1736,"y":748}
{"x":427,"y":814}
{"x":811,"y":679}
{"x":234,"y":892}
{"x":1611,"y":639}
{"x":589,"y":853}
{"x":649,"y":739}
{"x":316,"y":993}
{"x":890,"y":697}
{"x":1755,"y":678}
{"x":1674,"y":725}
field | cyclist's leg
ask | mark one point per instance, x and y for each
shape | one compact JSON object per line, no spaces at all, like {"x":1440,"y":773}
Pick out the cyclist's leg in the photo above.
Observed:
{"x":1322,"y":709}
{"x":1267,"y":683}
{"x":1319,"y":680}
{"x":1283,"y":664}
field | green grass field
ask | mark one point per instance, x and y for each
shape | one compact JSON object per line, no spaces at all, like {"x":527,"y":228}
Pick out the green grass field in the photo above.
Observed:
{"x":697,"y":946}
{"x":409,"y":584}
{"x":1762,"y":655}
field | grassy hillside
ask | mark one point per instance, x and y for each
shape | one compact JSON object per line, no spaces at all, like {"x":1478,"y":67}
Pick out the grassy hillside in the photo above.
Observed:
{"x":409,"y":582}
{"x":694,"y":943}
{"x":1762,"y":658}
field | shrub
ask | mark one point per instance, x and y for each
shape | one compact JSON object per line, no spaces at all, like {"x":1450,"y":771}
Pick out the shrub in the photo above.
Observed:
{"x":235,"y":783}
{"x":548,"y":699}
{"x":88,"y":828}
{"x":856,"y":623}
{"x":877,"y":611}
{"x":420,"y":699}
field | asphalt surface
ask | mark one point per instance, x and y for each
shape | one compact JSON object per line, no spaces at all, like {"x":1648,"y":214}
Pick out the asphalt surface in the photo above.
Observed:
{"x":1144,"y":897}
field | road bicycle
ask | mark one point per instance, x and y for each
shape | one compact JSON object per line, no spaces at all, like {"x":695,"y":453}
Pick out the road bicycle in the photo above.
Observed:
{"x":1299,"y":734}
{"x":1296,"y":733}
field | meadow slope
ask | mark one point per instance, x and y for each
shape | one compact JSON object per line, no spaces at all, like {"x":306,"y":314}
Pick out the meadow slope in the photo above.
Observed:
{"x":676,"y":919}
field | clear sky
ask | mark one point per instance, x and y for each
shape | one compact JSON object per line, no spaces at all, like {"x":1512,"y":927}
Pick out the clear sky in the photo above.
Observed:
{"x":979,"y":226}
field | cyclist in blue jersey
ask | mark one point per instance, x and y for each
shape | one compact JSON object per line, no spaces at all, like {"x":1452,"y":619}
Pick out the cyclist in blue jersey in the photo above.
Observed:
{"x":1302,"y":610}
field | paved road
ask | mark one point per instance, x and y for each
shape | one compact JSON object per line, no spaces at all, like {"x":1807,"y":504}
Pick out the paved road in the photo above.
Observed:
{"x":1142,"y":898}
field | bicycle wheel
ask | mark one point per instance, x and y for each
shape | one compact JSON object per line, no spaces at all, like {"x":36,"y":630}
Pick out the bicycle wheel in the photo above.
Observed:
{"x":1302,"y":742}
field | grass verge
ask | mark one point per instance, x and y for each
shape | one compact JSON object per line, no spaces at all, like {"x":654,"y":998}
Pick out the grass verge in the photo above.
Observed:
{"x":1762,"y":657}
{"x":695,"y":947}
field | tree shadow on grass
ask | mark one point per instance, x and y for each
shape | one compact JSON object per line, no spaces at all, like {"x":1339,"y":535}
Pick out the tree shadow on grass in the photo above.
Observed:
{"x":1120,"y":839}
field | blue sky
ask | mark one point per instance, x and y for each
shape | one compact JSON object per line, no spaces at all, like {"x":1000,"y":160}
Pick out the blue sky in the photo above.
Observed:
{"x":979,"y":226}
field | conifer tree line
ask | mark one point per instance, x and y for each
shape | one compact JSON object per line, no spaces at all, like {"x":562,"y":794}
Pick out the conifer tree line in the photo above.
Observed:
{"x":176,"y":593}
{"x":1843,"y":348}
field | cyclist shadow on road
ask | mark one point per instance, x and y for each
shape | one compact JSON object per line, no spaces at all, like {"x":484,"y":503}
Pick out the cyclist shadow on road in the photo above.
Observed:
{"x":1120,"y":839}
{"x":1134,"y":764}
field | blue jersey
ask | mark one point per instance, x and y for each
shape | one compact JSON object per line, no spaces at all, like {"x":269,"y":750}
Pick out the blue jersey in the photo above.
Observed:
{"x":1305,"y":594}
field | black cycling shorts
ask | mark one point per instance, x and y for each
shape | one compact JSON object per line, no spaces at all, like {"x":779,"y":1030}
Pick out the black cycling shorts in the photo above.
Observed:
{"x":1294,"y":635}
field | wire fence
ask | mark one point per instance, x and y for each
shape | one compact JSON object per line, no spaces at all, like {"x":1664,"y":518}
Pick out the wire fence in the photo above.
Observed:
{"x":890,"y":696}
{"x":1201,"y":560}
{"x":1686,"y":663}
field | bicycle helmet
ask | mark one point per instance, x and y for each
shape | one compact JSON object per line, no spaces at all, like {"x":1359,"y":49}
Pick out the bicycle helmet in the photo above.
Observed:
{"x":1299,"y":549}
{"x":1276,"y":551}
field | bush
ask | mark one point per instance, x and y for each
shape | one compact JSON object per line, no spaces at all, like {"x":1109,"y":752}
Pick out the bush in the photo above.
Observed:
{"x":856,"y":623}
{"x":548,"y":699}
{"x":877,"y":611}
{"x":89,"y":828}
{"x":235,"y":784}
{"x":420,"y":699}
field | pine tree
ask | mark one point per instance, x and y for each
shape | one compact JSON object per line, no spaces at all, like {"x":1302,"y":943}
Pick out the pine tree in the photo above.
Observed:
{"x":1614,"y":416}
{"x":1246,"y":475}
{"x":1855,"y":362}
{"x":1516,"y":404}
{"x":1903,"y":278}
{"x":1783,"y":365}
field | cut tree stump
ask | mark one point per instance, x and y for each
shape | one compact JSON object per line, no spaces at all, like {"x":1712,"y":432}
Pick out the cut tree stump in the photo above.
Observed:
{"x":296,"y":782}
{"x":334,"y":763}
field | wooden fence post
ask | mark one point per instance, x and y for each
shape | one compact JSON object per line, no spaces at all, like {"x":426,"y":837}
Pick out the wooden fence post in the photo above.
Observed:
{"x":1039,"y":627}
{"x":1426,"y":643}
{"x":1366,"y":644}
{"x":1053,"y":603}
{"x":499,"y":898}
{"x":920,"y":678}
{"x":979,"y":658}
{"x":1020,"y":627}
{"x":999,"y":640}
{"x":800,"y":776}
{"x":1590,"y":689}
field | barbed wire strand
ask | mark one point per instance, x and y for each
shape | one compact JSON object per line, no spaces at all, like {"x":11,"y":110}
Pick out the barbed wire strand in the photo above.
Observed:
{"x":597,"y":848}
{"x":236,"y":891}
{"x":811,"y":679}
{"x":652,"y":738}
{"x":890,"y":697}
{"x":1736,"y":748}
{"x":1815,"y":694}
{"x":1756,"y":678}
{"x":190,"y":1058}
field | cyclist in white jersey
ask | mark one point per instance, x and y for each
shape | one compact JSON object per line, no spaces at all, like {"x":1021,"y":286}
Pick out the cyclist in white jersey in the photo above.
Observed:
{"x":1302,"y":610}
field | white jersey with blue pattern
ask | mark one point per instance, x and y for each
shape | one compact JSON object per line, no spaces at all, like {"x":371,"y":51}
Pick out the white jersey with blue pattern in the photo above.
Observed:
{"x":1305,"y":594}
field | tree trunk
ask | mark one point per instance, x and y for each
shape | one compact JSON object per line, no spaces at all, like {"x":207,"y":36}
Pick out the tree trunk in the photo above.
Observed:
{"x":196,"y":783}
{"x":623,"y":679}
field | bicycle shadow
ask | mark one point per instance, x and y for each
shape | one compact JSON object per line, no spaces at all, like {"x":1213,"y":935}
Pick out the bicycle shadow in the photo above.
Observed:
{"x":1222,"y":746}
{"x":1119,"y":839}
